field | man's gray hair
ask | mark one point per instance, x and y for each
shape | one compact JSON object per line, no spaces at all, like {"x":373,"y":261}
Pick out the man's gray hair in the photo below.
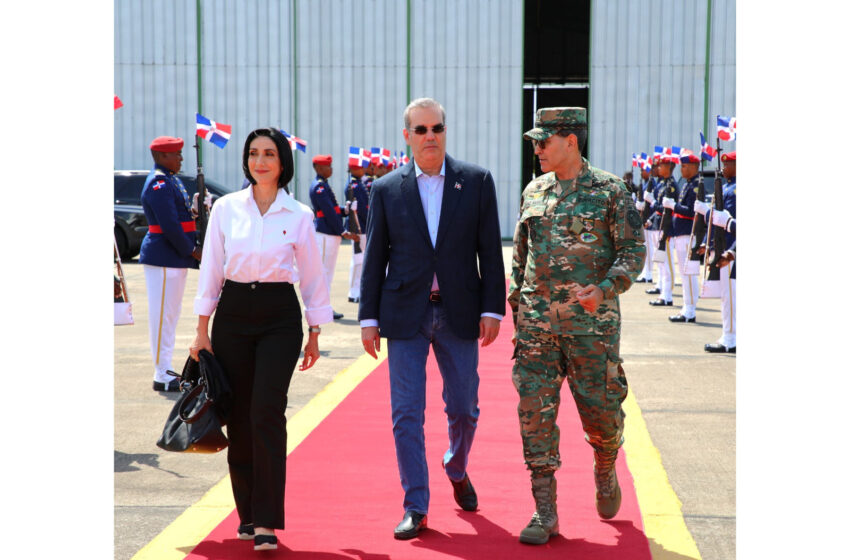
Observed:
{"x":421,"y":103}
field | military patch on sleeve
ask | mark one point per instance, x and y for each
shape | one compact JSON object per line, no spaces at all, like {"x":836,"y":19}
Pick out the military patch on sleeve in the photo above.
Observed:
{"x":633,"y":218}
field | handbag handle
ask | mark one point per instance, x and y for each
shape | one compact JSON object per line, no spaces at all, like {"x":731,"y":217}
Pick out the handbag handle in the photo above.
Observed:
{"x":189,"y":398}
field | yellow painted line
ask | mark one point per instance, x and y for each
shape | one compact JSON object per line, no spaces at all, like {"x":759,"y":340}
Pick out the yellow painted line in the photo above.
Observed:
{"x":661,"y":509}
{"x":193,"y":525}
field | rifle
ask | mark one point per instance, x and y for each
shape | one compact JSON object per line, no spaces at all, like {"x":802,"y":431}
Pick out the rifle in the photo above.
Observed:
{"x":349,"y":196}
{"x":711,"y":276}
{"x":695,"y":259}
{"x":203,"y":216}
{"x":666,"y":221}
{"x":647,"y":210}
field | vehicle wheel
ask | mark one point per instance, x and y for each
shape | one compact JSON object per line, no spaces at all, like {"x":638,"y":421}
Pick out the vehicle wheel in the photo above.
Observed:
{"x":123,"y":246}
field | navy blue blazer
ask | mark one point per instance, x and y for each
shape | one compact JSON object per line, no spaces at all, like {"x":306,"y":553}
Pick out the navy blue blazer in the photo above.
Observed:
{"x":399,"y":261}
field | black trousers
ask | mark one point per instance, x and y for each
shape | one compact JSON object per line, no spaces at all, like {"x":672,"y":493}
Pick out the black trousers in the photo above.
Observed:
{"x":256,"y":336}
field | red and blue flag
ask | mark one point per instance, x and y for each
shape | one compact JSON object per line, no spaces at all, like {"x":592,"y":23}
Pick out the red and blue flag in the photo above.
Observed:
{"x":706,"y":151}
{"x":295,"y":143}
{"x":212,"y":131}
{"x":727,"y":128}
{"x":359,"y":157}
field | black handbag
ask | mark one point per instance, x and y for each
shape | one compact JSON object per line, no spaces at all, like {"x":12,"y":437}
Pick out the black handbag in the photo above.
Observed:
{"x":194,"y":423}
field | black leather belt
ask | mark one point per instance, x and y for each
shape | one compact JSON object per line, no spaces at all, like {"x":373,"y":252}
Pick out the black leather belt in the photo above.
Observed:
{"x":435,"y":297}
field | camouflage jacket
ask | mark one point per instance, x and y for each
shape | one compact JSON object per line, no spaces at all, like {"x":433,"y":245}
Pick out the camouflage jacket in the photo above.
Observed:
{"x":587,"y":233}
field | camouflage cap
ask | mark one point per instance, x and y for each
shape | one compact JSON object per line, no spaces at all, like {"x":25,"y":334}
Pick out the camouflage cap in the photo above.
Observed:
{"x":549,"y":119}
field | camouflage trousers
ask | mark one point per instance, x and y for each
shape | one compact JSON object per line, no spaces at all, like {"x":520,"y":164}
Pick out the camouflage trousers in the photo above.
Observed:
{"x":592,"y":366}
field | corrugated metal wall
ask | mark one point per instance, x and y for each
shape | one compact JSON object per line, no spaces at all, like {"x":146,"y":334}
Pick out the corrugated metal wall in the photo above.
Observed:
{"x":647,"y":76}
{"x":349,"y":86}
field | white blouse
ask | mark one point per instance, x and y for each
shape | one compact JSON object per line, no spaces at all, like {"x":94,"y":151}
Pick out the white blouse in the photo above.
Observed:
{"x":245,"y":246}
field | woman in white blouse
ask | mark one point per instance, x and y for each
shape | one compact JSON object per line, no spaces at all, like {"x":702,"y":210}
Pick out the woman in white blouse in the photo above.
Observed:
{"x":259,"y":242}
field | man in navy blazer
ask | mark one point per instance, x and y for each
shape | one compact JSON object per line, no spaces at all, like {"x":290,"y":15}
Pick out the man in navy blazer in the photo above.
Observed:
{"x":433,"y":275}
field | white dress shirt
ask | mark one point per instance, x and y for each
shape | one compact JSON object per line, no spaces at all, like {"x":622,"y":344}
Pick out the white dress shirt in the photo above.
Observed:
{"x":431,"y":195}
{"x":245,"y":246}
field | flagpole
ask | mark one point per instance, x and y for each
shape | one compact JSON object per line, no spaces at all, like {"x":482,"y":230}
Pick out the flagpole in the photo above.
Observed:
{"x":199,"y":46}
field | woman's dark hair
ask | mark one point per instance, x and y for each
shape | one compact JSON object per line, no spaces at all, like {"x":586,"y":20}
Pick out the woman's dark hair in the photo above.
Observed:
{"x":284,"y":153}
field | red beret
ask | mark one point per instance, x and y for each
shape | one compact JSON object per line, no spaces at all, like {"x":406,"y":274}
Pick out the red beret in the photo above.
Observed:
{"x":687,"y":156}
{"x":167,"y":144}
{"x":322,"y":159}
{"x":729,"y":156}
{"x":667,"y":158}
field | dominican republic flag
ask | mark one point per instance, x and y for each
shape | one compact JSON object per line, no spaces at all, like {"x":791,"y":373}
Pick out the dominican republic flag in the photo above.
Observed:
{"x":375,"y":151}
{"x":118,"y":103}
{"x":676,"y":151}
{"x":359,"y":156}
{"x":645,"y":162}
{"x":403,"y":159}
{"x":657,"y":151}
{"x":385,"y":156}
{"x":727,"y":128}
{"x":634,"y":160}
{"x":294,"y":142}
{"x":706,"y":151}
{"x":212,"y":131}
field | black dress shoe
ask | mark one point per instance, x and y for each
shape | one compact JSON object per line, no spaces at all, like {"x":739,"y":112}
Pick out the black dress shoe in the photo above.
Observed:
{"x":465,"y":495}
{"x":653,"y":291}
{"x":682,"y":319}
{"x":172,"y":386}
{"x":643,"y":280}
{"x":410,"y":525}
{"x":354,"y":299}
{"x":338,"y":316}
{"x":716,"y":347}
{"x":660,"y":301}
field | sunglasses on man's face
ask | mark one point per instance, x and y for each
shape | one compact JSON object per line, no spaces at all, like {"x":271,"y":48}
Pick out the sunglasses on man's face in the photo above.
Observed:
{"x":542,"y":143}
{"x":422,"y":129}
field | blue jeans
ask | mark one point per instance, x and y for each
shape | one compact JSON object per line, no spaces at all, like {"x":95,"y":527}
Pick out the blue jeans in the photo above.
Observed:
{"x":457,"y":359}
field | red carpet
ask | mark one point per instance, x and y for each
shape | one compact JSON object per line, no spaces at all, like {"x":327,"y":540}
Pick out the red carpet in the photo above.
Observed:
{"x":344,"y":497}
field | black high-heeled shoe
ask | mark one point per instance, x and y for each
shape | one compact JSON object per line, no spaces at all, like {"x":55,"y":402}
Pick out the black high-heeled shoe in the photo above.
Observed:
{"x":265,"y":542}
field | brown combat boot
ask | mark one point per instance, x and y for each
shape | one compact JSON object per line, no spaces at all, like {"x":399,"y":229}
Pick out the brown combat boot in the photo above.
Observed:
{"x":544,"y":522}
{"x":608,"y":495}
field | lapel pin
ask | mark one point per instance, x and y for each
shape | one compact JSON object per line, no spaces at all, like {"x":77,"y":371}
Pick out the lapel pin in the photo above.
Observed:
{"x":458,"y":186}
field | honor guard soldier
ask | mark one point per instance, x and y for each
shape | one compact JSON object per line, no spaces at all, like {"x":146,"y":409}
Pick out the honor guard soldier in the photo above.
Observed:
{"x":168,"y":251}
{"x":666,"y":187}
{"x":382,"y":169}
{"x":646,"y":184}
{"x":651,"y":226}
{"x":578,"y":244}
{"x":329,"y":227}
{"x":357,"y":204}
{"x":683,"y":222}
{"x":728,"y":300}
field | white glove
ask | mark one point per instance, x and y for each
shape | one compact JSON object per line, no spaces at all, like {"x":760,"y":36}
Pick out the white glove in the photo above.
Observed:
{"x":207,"y":201}
{"x":701,"y":207}
{"x":720,"y":218}
{"x":667,"y":202}
{"x":354,"y":205}
{"x":347,"y":206}
{"x":640,"y":205}
{"x":647,"y":196}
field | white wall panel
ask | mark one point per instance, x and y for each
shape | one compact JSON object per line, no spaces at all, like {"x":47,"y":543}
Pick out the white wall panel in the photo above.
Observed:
{"x":346,"y":84}
{"x":647,"y":82}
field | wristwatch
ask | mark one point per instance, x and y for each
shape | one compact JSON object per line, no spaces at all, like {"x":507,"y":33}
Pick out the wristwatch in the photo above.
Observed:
{"x":314,"y":329}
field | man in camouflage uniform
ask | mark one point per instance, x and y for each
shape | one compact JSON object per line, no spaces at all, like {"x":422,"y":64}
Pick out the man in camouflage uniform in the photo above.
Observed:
{"x":578,"y":243}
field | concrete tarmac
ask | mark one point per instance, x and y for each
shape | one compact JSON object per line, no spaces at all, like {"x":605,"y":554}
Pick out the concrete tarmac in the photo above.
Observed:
{"x":687,"y":398}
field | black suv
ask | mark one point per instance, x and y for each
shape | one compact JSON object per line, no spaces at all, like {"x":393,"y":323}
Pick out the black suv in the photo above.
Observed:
{"x":130,"y":222}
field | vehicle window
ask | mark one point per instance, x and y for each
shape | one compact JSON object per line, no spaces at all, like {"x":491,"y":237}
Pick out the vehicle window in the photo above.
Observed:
{"x":128,"y":189}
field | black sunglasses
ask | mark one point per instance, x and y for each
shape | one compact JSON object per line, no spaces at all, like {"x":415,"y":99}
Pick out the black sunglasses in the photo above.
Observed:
{"x":422,"y":129}
{"x":563,"y":132}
